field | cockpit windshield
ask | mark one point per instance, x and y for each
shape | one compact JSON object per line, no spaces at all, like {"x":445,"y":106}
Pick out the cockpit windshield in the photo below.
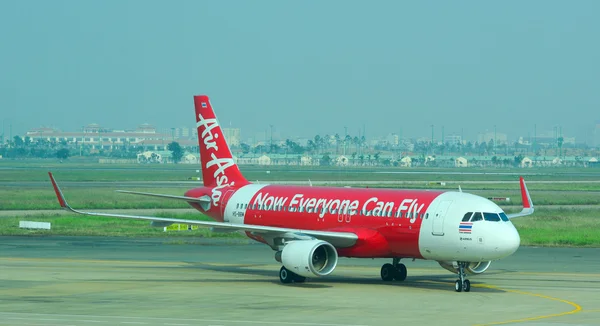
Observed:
{"x":490,"y":217}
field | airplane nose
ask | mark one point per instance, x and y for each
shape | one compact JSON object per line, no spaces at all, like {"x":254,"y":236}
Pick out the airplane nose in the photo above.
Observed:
{"x":510,"y":241}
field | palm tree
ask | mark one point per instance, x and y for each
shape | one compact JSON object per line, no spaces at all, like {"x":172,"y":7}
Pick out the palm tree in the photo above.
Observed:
{"x":318,"y":141}
{"x":347,"y":140}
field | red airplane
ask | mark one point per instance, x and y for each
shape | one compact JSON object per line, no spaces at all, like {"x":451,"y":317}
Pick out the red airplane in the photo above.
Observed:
{"x":310,"y":227}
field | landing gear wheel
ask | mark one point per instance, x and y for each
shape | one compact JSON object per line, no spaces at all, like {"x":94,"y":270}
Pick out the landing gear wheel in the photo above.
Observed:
{"x":299,"y":279}
{"x":458,"y":286}
{"x":285,"y":276}
{"x":467,"y":286}
{"x":462,"y":284}
{"x":388,"y":272}
{"x":401,"y":272}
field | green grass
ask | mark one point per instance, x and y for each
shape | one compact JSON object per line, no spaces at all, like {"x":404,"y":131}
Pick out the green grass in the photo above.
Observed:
{"x":85,"y":171}
{"x":13,"y":198}
{"x":78,"y":225}
{"x":579,"y":226}
{"x":557,"y":227}
{"x":560,"y":227}
{"x":86,"y":198}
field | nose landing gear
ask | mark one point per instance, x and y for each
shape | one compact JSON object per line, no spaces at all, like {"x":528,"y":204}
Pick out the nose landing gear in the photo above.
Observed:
{"x":393,"y":271}
{"x":462,"y":284}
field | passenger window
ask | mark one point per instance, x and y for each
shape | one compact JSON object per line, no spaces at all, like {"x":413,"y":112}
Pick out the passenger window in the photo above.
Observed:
{"x":467,"y":217}
{"x":477,"y":217}
{"x":503,"y":217}
{"x":492,"y":217}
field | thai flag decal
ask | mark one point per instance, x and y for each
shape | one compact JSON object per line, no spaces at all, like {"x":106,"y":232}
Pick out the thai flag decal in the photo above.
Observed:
{"x":465,"y":227}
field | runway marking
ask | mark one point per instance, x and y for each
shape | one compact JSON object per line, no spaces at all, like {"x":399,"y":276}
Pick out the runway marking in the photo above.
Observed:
{"x":574,"y":311}
{"x":557,"y":273}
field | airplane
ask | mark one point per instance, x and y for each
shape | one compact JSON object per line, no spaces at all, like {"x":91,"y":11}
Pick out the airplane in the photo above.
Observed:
{"x":309,"y":228}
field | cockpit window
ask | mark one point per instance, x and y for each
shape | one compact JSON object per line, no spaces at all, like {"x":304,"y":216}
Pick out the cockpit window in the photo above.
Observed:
{"x":492,"y":217}
{"x":467,"y":217}
{"x":503,"y":217}
{"x":477,"y":217}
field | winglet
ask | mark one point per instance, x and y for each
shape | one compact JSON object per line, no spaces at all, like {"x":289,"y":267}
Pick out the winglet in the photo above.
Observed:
{"x":61,"y":198}
{"x":527,"y":203}
{"x":525,"y":194}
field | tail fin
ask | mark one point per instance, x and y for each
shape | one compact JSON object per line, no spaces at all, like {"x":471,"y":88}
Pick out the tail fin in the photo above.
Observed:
{"x":218,"y":168}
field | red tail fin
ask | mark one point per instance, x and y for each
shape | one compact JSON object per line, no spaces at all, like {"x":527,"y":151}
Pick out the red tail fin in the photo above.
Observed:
{"x":218,"y":168}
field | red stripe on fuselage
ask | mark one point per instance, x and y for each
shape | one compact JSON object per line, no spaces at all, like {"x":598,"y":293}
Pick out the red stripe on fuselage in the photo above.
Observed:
{"x":387,"y":221}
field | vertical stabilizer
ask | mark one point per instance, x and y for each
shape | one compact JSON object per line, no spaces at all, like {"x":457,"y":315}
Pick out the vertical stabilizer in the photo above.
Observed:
{"x":218,"y":168}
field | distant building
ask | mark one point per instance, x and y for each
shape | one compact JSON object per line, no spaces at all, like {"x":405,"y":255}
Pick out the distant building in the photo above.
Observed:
{"x":596,"y":135}
{"x":97,"y":137}
{"x":453,"y":139}
{"x":392,"y":139}
{"x":500,"y":138}
{"x":232,"y":135}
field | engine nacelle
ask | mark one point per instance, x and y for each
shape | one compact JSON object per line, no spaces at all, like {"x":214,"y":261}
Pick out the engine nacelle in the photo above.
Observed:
{"x":473,"y":268}
{"x":309,"y":257}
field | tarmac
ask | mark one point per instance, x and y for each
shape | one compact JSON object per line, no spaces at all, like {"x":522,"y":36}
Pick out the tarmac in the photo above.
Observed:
{"x":178,"y":282}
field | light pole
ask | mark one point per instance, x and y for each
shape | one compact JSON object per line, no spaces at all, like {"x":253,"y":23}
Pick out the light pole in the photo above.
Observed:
{"x":495,"y":139}
{"x":432,"y":139}
{"x":345,"y":137}
{"x":271,"y":146}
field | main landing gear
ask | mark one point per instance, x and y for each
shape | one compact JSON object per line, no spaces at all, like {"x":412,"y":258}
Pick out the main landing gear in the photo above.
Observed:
{"x":462,"y":284}
{"x":286,"y":276}
{"x":393,"y":271}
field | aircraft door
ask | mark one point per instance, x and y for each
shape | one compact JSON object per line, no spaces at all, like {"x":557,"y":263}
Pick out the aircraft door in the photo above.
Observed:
{"x":438,"y":217}
{"x":224,"y":202}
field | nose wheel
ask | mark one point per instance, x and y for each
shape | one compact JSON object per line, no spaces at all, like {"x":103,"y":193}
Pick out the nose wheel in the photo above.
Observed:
{"x":394,"y":271}
{"x":462,"y":284}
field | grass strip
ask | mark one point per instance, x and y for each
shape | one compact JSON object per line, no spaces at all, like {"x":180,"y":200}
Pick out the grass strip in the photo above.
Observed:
{"x":570,"y":227}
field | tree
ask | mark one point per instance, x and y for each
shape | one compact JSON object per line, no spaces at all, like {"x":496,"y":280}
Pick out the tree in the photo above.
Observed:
{"x":176,"y":151}
{"x":18,"y":141}
{"x":63,"y":153}
{"x":317,"y":142}
{"x":245,"y":148}
{"x":325,"y":160}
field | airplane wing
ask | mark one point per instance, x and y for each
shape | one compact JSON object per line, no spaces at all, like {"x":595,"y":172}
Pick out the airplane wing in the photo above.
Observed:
{"x":527,"y":203}
{"x":338,"y":239}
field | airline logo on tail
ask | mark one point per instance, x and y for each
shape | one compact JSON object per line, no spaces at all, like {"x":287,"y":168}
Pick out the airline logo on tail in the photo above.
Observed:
{"x":218,"y":168}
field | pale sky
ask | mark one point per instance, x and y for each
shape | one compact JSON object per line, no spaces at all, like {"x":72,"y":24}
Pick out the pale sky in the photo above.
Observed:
{"x":306,"y":67}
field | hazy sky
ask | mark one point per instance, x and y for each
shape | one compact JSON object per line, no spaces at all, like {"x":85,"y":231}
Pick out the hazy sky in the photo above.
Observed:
{"x":306,"y":67}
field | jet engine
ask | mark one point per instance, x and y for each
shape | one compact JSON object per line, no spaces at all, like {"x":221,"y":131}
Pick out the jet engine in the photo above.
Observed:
{"x":308,"y":257}
{"x":473,"y":268}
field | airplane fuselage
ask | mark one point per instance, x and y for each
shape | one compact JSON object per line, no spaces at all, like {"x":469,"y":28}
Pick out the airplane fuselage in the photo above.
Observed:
{"x":391,"y":223}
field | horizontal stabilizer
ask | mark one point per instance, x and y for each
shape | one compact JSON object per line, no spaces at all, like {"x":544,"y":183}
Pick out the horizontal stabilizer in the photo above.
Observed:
{"x":203,"y":199}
